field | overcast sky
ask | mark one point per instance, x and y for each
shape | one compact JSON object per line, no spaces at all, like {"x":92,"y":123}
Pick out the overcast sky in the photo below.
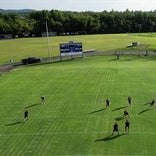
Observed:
{"x":80,"y":5}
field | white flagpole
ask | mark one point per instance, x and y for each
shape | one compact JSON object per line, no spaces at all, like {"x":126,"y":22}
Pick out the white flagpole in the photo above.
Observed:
{"x":48,"y":42}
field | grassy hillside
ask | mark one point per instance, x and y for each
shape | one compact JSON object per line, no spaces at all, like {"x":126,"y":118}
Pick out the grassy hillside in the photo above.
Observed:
{"x":74,"y":120}
{"x":21,"y":48}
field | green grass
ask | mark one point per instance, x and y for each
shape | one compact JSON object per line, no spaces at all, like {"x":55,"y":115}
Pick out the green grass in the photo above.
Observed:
{"x":21,"y":48}
{"x":74,"y":120}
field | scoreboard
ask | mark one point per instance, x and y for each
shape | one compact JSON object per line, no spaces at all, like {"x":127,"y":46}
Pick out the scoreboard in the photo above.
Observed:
{"x":71,"y":48}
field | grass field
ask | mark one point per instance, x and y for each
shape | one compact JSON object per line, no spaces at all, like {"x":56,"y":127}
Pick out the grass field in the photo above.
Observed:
{"x":74,"y":120}
{"x":21,"y":48}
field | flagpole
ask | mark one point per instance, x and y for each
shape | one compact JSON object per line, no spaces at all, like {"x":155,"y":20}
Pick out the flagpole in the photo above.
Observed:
{"x":48,"y":42}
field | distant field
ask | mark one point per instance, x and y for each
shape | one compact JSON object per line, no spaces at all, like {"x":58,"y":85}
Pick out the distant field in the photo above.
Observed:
{"x":21,"y":48}
{"x":74,"y":120}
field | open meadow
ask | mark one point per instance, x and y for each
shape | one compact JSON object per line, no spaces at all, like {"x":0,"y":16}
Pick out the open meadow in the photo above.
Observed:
{"x":18,"y":49}
{"x":74,"y":119}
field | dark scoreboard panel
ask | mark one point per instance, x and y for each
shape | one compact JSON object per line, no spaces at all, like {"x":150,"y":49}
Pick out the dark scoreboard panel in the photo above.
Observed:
{"x":71,"y":48}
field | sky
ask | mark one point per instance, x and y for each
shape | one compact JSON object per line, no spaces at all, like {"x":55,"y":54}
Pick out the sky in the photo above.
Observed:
{"x":80,"y":5}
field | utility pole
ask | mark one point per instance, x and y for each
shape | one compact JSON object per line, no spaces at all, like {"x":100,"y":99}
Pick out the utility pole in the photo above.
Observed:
{"x":49,"y":53}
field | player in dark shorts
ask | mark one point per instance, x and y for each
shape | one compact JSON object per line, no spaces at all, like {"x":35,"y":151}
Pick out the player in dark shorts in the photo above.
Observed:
{"x":107,"y":103}
{"x":42,"y":99}
{"x":127,"y":126}
{"x":26,"y":113}
{"x":152,"y":103}
{"x":115,"y":128}
{"x":126,"y":114}
{"x":129,"y":100}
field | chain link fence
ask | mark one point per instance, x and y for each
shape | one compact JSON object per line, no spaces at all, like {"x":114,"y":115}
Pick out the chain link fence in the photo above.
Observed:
{"x":92,"y":52}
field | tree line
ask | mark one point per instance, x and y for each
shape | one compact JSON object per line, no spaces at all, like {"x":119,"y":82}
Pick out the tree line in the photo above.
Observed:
{"x":67,"y":22}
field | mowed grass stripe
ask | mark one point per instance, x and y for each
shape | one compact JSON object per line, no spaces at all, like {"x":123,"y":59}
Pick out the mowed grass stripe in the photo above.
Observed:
{"x":74,"y":121}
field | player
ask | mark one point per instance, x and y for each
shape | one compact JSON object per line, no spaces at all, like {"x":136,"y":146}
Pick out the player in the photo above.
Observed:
{"x":26,"y":113}
{"x":126,"y":114}
{"x":127,"y":126}
{"x":117,"y":56}
{"x":42,"y":99}
{"x":129,"y":100}
{"x":152,"y":103}
{"x":115,"y":128}
{"x":107,"y":103}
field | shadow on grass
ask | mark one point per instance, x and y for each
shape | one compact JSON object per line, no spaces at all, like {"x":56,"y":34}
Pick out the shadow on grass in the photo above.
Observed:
{"x":143,"y":111}
{"x":123,"y":58}
{"x":33,"y":105}
{"x":98,"y":111}
{"x":119,"y":108}
{"x":119,"y":118}
{"x":129,"y":59}
{"x":111,"y":137}
{"x":41,"y":63}
{"x":57,"y":59}
{"x":147,"y":103}
{"x":15,"y":123}
{"x":114,"y":59}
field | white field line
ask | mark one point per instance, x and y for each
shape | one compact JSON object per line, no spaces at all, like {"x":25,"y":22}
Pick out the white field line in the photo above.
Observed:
{"x":62,"y":133}
{"x":104,"y":155}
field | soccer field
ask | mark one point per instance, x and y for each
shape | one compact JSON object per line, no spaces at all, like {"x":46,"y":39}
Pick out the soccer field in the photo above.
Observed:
{"x":74,"y":121}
